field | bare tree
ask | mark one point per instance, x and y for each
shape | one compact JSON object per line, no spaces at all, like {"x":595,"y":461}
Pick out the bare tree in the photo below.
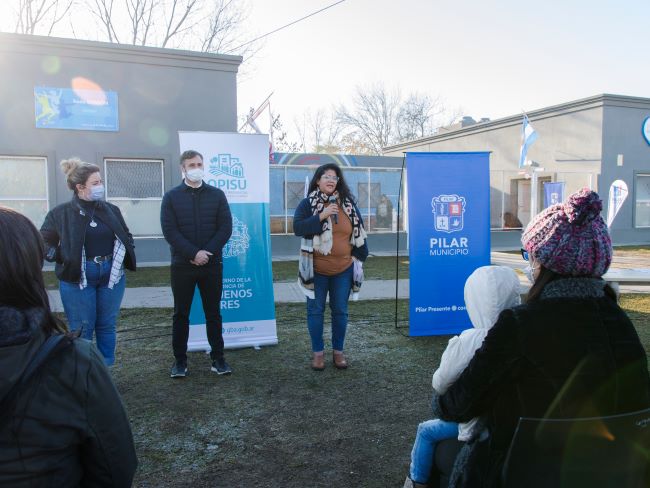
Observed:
{"x":40,"y":16}
{"x":419,"y":116}
{"x":179,"y":18}
{"x":300,"y":126}
{"x":319,"y":131}
{"x":103,"y":10}
{"x":355,"y":142}
{"x":326,"y":131}
{"x":281,"y":140}
{"x":372,"y":116}
{"x":140,"y":13}
{"x":201,"y":25}
{"x":379,"y":117}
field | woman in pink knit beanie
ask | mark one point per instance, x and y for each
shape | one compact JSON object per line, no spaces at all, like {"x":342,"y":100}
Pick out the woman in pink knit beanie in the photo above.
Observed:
{"x":569,"y":239}
{"x":568,"y":352}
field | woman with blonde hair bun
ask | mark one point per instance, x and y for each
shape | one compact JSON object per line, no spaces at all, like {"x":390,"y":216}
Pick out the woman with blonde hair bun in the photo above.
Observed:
{"x":91,"y":245}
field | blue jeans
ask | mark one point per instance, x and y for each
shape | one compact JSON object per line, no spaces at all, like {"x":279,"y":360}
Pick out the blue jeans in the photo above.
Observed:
{"x":339,"y":287}
{"x":95,"y":308}
{"x":429,"y":434}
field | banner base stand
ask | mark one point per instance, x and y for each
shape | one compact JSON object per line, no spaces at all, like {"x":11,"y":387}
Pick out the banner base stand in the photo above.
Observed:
{"x":236,"y":335}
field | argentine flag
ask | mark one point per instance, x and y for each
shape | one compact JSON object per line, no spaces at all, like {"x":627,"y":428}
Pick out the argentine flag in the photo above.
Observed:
{"x":528,"y":136}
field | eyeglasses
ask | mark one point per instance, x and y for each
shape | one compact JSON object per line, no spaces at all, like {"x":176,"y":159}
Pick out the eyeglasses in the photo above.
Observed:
{"x":524,"y":254}
{"x":330,"y":178}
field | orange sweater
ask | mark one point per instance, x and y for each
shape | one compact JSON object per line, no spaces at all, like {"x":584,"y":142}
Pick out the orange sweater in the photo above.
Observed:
{"x":340,"y":258}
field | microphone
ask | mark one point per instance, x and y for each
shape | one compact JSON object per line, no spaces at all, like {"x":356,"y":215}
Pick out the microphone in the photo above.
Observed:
{"x":335,"y":217}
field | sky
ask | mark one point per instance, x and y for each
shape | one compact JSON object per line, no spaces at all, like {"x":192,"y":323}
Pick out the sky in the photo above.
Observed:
{"x":488,"y":58}
{"x":482,"y":58}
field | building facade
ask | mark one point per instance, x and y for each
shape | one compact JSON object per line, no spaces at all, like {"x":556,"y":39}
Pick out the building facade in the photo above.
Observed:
{"x":117,"y":106}
{"x":373,"y":180}
{"x":585,"y":143}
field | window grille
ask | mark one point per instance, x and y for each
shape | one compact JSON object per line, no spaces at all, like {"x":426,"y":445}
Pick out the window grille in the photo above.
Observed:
{"x":137,"y":187}
{"x":24,"y":186}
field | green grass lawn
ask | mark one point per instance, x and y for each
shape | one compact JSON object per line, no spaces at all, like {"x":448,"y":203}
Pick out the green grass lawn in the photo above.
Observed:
{"x":274,"y":422}
{"x":375,"y":268}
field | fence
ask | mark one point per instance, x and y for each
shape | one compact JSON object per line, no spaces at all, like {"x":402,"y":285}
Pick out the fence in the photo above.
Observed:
{"x":376,"y":191}
{"x":510,"y":195}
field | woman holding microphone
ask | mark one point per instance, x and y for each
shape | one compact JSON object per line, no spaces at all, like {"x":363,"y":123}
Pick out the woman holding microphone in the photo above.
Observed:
{"x":332,"y":248}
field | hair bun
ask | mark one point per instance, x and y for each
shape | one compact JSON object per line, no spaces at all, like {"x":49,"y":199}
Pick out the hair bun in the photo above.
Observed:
{"x":583,"y":207}
{"x":69,"y":165}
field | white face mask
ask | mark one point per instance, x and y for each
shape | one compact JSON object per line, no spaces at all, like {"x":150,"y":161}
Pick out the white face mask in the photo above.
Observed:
{"x":96,"y":192}
{"x":528,"y":271}
{"x":194,"y":175}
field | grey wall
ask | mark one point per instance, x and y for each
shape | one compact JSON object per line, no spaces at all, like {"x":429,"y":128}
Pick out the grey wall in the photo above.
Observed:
{"x":160,"y":92}
{"x":578,"y":143}
{"x":622,"y":135}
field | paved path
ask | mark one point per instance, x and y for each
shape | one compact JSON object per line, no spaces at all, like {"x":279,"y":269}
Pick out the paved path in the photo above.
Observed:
{"x":161,"y":297}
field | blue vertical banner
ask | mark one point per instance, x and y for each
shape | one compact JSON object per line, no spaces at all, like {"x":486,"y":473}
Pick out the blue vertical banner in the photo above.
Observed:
{"x":449,"y":236}
{"x":553,"y":193}
{"x":238,"y":164}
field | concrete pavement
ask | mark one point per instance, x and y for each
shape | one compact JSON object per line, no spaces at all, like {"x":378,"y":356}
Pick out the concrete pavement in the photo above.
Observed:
{"x":161,"y":297}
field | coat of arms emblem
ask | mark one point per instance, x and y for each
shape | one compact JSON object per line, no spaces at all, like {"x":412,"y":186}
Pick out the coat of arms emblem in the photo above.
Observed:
{"x":448,"y":211}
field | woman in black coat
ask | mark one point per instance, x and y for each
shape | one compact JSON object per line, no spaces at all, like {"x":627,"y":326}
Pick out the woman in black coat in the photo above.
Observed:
{"x":569,"y":352}
{"x":91,"y":245}
{"x":63,"y":424}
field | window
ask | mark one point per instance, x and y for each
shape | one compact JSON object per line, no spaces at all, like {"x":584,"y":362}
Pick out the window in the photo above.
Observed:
{"x":642,"y":200}
{"x":295,"y":193}
{"x":23,"y":186}
{"x":137,"y":187}
{"x":377,"y":193}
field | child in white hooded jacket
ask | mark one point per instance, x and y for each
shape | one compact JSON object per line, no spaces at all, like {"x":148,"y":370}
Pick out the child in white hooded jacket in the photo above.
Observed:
{"x":488,"y":291}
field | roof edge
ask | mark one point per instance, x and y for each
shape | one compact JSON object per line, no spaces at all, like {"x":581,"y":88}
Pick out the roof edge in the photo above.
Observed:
{"x":12,"y":42}
{"x":580,"y":104}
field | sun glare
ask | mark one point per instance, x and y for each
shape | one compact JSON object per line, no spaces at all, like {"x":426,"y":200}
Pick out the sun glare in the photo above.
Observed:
{"x":88,"y":91}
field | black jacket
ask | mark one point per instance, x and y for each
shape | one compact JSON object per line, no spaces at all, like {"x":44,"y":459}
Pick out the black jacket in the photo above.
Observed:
{"x":573,"y":353}
{"x":306,"y":224}
{"x":193,"y":219}
{"x":68,"y":426}
{"x":64,"y":231}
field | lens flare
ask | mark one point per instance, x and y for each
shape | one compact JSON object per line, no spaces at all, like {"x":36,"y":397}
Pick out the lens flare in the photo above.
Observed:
{"x":89,"y":91}
{"x":158,"y":136}
{"x":51,"y":65}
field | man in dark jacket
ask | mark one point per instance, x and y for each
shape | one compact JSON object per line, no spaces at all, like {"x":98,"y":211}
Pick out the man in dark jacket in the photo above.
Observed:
{"x":196,"y":222}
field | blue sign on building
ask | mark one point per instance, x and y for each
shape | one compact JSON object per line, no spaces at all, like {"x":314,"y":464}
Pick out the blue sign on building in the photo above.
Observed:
{"x":449,"y":236}
{"x":65,"y":108}
{"x":553,"y":193}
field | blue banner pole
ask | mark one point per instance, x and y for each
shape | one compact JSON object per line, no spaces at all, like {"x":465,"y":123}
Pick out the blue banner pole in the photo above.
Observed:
{"x":449,"y":236}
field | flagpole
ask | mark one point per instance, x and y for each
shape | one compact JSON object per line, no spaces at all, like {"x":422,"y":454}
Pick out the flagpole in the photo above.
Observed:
{"x":528,"y":137}
{"x":533,"y":193}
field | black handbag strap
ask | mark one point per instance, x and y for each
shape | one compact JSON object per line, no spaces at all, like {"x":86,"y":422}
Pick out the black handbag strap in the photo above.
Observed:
{"x":48,"y":349}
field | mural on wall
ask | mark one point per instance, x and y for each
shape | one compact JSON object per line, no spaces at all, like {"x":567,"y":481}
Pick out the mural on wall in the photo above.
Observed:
{"x":310,"y":159}
{"x":350,"y":160}
{"x":75,"y":109}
